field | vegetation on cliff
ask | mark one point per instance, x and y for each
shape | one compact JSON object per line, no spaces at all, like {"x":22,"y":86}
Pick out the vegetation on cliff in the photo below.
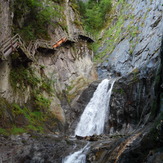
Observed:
{"x":32,"y":17}
{"x":16,"y":119}
{"x":94,"y":14}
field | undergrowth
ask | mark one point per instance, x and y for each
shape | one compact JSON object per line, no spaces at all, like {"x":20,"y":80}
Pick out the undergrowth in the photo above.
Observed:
{"x":22,"y":76}
{"x":94,"y":14}
{"x":16,"y":119}
{"x":115,"y":31}
{"x":32,"y":17}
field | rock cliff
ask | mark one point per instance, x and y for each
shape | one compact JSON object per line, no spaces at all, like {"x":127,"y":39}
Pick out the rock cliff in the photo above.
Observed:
{"x":62,"y":80}
{"x":57,"y":73}
{"x":133,"y":39}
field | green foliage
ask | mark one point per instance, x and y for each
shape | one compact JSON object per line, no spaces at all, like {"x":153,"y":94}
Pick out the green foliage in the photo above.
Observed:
{"x":22,"y":77}
{"x":116,"y":31}
{"x":35,"y":119}
{"x":15,"y":130}
{"x":94,"y":13}
{"x":16,"y":119}
{"x":47,"y":85}
{"x":37,"y":15}
{"x":3,"y":131}
{"x":42,"y":103}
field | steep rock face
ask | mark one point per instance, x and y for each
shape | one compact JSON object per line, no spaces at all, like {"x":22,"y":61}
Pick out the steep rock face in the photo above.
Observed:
{"x":134,"y":101}
{"x":66,"y":70}
{"x":6,"y":18}
{"x":71,"y":69}
{"x":136,"y":34}
{"x":6,"y":22}
{"x":137,"y":29}
{"x":136,"y":56}
{"x":78,"y":106}
{"x":24,"y":148}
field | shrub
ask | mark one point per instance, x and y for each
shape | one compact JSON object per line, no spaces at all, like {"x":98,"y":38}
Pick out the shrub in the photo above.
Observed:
{"x":94,"y":13}
{"x":22,"y":77}
{"x":36,"y":16}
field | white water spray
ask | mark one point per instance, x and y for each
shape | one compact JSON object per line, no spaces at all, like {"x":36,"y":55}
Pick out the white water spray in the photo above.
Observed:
{"x":77,"y":157}
{"x":93,"y":119}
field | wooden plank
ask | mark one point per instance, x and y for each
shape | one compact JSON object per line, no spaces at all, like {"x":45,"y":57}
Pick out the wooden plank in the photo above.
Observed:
{"x":14,"y":46}
{"x":9,"y":39}
{"x":7,"y":53}
{"x":10,"y":46}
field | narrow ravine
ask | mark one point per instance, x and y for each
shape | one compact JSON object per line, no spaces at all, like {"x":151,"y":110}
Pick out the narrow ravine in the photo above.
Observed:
{"x":93,"y":119}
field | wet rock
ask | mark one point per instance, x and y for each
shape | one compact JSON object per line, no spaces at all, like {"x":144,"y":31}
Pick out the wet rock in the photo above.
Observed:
{"x":88,"y":138}
{"x":135,"y":98}
{"x":78,"y":107}
{"x":24,"y":148}
{"x":132,"y":148}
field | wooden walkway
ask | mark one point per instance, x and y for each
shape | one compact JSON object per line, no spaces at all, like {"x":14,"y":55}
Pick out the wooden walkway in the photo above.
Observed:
{"x":12,"y":44}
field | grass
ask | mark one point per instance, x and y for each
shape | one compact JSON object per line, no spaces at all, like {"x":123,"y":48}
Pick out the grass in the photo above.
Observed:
{"x":15,"y":130}
{"x":16,"y":119}
{"x":3,"y":131}
{"x":21,"y":77}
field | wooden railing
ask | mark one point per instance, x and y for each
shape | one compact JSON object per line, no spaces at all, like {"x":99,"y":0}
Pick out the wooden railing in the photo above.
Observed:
{"x":34,"y":45}
{"x":12,"y":44}
{"x":8,"y":46}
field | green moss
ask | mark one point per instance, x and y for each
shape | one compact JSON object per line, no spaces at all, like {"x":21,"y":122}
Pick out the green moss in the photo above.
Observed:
{"x":41,"y":103}
{"x":15,"y":130}
{"x":77,"y":23}
{"x":115,"y":31}
{"x":74,"y":6}
{"x":16,"y":119}
{"x":3,"y":131}
{"x":21,"y":77}
{"x":47,"y":85}
{"x":120,"y":91}
{"x":36,"y":16}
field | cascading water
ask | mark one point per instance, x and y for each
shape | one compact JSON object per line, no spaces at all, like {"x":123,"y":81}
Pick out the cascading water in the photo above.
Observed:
{"x":94,"y":116}
{"x":93,"y":119}
{"x":77,"y":157}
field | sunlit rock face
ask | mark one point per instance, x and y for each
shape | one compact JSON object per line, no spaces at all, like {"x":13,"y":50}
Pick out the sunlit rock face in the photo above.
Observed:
{"x":139,"y":40}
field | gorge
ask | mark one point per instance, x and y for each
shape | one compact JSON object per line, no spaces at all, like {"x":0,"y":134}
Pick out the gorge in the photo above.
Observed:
{"x":81,"y":81}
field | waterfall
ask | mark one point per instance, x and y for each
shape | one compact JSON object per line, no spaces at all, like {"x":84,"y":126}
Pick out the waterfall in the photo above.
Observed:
{"x":93,"y":119}
{"x":77,"y":157}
